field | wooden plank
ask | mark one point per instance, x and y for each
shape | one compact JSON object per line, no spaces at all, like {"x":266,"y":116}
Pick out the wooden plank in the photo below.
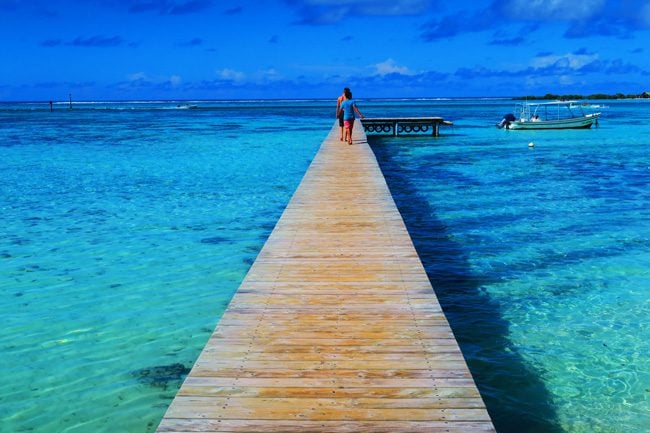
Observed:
{"x":352,"y":382}
{"x":335,"y":328}
{"x":309,"y":409}
{"x":365,"y":403}
{"x":171,"y":425}
{"x":393,"y":393}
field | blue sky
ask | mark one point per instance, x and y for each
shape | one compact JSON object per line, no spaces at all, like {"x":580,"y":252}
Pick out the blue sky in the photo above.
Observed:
{"x":212,"y":49}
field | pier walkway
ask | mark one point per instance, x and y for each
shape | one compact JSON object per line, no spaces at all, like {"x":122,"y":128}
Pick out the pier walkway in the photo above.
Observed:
{"x":336,"y":327}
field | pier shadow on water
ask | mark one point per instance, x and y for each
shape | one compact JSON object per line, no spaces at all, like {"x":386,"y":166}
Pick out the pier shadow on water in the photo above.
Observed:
{"x":515,"y":396}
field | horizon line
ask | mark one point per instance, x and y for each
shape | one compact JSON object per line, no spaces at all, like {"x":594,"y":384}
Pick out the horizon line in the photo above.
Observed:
{"x":149,"y":101}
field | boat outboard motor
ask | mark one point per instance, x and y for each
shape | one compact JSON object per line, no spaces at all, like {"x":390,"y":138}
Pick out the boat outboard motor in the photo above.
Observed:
{"x":505,"y":122}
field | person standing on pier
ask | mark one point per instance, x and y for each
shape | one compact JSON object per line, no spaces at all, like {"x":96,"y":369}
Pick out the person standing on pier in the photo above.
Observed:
{"x":339,"y":111}
{"x":349,"y":107}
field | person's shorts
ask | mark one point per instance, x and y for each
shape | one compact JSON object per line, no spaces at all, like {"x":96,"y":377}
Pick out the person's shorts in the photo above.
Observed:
{"x":341,"y":119}
{"x":348,"y":123}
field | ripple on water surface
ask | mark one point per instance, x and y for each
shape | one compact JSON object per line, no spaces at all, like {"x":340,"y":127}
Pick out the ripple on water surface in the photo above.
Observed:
{"x":125,"y":236}
{"x":541,"y":260}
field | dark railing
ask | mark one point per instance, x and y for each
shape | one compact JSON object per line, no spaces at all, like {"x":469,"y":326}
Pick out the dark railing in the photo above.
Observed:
{"x":404,"y":125}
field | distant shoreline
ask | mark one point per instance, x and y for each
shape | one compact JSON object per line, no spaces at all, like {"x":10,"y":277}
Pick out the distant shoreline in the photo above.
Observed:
{"x":554,"y":97}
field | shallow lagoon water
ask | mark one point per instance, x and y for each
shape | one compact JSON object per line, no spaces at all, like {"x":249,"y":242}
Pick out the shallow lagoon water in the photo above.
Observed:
{"x":127,"y":228}
{"x":541,"y":259}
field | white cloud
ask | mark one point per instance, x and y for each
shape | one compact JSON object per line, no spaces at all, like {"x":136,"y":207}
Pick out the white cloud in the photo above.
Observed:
{"x":137,"y":76}
{"x":271,"y":75}
{"x":175,"y":80}
{"x":142,"y":78}
{"x":258,"y":77}
{"x":389,"y":66}
{"x":334,"y":11}
{"x":231,"y":75}
{"x":391,"y":7}
{"x":566,"y":80}
{"x":563,"y":10}
{"x":266,"y":76}
{"x":572,"y":61}
{"x":374,"y":7}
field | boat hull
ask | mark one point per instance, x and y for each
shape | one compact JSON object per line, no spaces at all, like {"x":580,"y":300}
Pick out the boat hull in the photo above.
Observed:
{"x":571,"y":123}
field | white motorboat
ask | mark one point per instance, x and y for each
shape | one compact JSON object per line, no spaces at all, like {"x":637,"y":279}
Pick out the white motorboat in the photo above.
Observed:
{"x":549,"y":115}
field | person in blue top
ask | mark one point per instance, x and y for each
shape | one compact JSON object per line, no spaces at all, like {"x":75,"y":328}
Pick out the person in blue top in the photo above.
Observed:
{"x":339,"y":111}
{"x":349,"y":107}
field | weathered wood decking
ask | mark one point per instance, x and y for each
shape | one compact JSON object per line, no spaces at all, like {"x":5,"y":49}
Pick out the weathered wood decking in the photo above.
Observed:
{"x":336,"y":327}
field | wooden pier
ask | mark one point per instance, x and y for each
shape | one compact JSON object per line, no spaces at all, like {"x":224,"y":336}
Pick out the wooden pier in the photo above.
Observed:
{"x":404,"y":125}
{"x":336,"y":327}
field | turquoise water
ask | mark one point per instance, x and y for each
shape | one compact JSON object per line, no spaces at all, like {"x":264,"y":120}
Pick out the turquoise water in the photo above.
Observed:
{"x":128,"y":226}
{"x":126,"y":229}
{"x":541,"y":259}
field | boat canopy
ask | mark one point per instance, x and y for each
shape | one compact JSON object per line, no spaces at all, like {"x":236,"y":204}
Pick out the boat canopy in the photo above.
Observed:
{"x":548,"y":110}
